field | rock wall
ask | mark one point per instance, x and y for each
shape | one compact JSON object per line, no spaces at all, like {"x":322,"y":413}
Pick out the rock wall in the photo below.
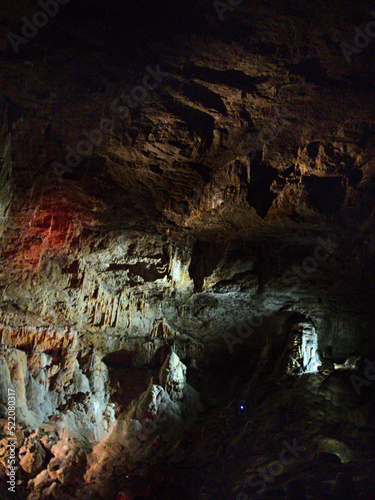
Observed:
{"x":54,"y":377}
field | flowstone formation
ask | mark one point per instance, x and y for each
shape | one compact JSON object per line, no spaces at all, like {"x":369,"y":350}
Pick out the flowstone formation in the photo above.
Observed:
{"x":148,"y":428}
{"x":302,"y":349}
{"x":63,"y":460}
{"x":56,"y":379}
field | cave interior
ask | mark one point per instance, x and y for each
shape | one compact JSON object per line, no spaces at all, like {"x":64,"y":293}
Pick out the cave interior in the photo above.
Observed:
{"x":187,"y":300}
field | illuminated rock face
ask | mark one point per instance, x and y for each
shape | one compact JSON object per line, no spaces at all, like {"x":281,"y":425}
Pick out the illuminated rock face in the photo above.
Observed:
{"x":309,"y":349}
{"x":303,"y":349}
{"x":156,"y":417}
{"x":53,"y":381}
{"x":172,"y":377}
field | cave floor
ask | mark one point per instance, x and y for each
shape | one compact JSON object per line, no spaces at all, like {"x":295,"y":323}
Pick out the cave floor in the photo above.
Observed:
{"x":292,"y":439}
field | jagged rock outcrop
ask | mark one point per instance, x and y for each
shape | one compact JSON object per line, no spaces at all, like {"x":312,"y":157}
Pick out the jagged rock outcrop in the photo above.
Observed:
{"x":52,"y":376}
{"x":151,"y":423}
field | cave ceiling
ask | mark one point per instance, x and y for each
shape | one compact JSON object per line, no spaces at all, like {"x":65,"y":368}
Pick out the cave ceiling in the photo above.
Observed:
{"x":164,"y":166}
